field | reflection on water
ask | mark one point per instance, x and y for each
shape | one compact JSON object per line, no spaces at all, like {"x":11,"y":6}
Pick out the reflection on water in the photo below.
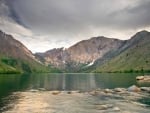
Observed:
{"x":65,"y":81}
{"x":82,"y":82}
{"x":15,"y":89}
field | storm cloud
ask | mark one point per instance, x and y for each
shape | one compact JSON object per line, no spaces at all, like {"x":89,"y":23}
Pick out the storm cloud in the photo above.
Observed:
{"x":73,"y":20}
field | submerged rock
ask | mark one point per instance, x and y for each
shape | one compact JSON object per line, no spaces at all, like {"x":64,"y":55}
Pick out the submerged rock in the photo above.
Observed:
{"x":33,"y":90}
{"x":41,"y":89}
{"x":104,"y":107}
{"x":116,"y":109}
{"x":120,"y":90}
{"x":94,"y":93}
{"x":134,"y":88}
{"x":56,"y":92}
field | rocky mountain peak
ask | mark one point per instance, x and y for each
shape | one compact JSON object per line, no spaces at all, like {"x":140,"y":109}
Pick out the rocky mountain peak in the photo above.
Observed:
{"x":140,"y":34}
{"x":138,"y":37}
{"x":143,"y":32}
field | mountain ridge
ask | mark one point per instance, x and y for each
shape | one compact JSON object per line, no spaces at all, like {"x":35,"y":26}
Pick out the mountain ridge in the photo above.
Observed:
{"x":80,"y":54}
{"x":96,"y":51}
{"x":97,"y":54}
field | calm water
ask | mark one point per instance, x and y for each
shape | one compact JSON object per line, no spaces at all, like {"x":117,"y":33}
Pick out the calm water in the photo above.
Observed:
{"x":15,"y":91}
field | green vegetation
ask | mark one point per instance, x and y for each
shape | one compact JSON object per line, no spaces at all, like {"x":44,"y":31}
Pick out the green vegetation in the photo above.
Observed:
{"x":73,"y":67}
{"x":12,"y":65}
{"x":134,"y":59}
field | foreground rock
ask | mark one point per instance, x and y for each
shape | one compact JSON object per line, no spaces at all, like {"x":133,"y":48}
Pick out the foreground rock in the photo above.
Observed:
{"x":134,"y":88}
{"x":145,"y":78}
{"x":147,"y":89}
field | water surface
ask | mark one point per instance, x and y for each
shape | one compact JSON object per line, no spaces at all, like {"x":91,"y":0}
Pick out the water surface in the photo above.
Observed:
{"x":33,"y":92}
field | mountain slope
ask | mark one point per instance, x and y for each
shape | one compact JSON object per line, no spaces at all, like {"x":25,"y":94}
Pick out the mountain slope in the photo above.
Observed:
{"x":134,"y":56}
{"x":16,"y":58}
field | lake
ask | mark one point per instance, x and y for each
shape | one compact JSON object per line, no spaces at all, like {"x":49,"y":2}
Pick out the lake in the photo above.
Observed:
{"x":29,"y":93}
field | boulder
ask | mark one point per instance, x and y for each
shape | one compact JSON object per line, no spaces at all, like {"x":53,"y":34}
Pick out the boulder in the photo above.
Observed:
{"x":145,"y":78}
{"x":147,"y":89}
{"x":102,"y":107}
{"x":108,"y":91}
{"x":134,"y":88}
{"x":139,"y":77}
{"x":94,"y":93}
{"x":116,"y":109}
{"x":119,"y":89}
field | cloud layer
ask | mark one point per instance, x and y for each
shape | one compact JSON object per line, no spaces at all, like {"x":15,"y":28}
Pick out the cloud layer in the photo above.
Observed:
{"x":64,"y":22}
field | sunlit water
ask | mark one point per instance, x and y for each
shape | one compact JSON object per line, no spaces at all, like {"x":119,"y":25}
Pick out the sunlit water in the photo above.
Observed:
{"x":67,"y":93}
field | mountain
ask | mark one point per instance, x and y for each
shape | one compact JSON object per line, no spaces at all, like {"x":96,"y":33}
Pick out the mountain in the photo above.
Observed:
{"x":134,"y":56}
{"x":81,"y":55}
{"x":98,"y":54}
{"x":16,"y":58}
{"x":101,"y":54}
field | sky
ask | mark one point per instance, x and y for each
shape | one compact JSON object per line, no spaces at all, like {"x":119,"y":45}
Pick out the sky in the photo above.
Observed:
{"x":45,"y":24}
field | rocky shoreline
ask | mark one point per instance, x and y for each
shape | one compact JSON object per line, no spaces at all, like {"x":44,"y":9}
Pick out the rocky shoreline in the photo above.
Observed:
{"x":132,"y":89}
{"x":131,"y":96}
{"x":133,"y":99}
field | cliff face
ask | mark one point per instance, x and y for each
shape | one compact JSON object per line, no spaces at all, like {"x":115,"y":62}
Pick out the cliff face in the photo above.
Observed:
{"x":55,"y":57}
{"x":92,"y":49}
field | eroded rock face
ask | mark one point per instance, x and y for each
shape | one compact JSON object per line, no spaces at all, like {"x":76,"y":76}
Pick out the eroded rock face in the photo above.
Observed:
{"x":56,"y":57}
{"x":84,"y":52}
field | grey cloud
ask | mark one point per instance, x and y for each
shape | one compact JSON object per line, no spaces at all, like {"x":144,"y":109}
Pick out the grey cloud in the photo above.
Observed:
{"x":8,"y":24}
{"x":79,"y":16}
{"x":134,"y":17}
{"x":57,"y":23}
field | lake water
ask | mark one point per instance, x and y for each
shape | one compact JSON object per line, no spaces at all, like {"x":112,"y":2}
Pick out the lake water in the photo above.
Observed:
{"x":34,"y":92}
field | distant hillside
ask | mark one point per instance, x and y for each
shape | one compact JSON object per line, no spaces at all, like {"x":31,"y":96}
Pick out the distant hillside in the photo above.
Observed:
{"x":134,"y":56}
{"x":16,"y":58}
